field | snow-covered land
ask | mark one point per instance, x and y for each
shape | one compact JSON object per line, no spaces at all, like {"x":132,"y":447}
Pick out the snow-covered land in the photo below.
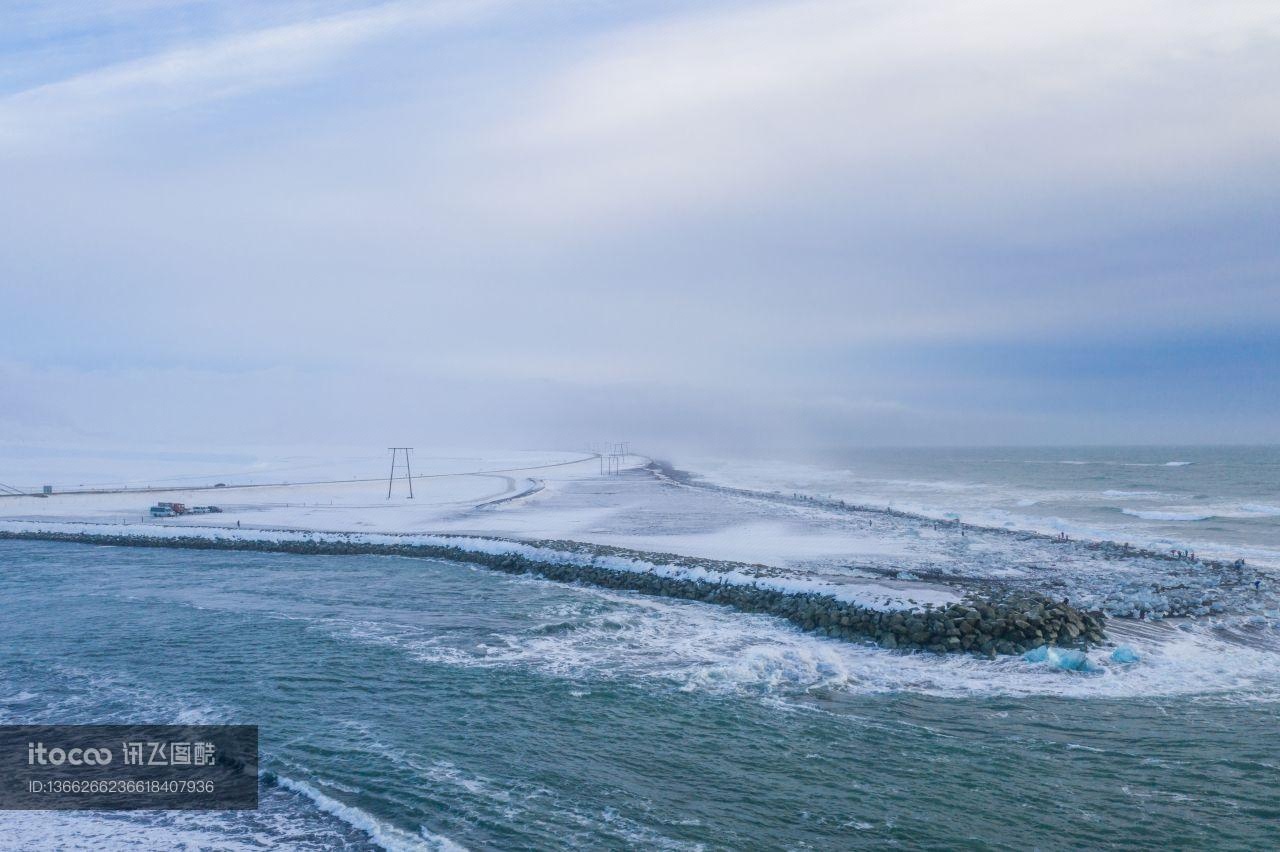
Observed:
{"x":674,"y":524}
{"x":496,"y":506}
{"x":563,"y":496}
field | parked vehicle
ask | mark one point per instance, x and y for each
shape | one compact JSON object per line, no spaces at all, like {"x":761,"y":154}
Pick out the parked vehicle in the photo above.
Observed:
{"x":170,"y":510}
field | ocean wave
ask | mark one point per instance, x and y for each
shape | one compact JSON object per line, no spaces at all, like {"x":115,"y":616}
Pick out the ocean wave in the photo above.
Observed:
{"x":695,"y":647}
{"x":476,"y":798}
{"x":387,"y":836}
{"x":1092,"y":509}
{"x":279,"y":816}
{"x":1243,"y":511}
{"x":1112,"y":463}
{"x":20,"y":698}
{"x":1160,"y":515}
{"x":1122,"y":494}
{"x":81,"y":830}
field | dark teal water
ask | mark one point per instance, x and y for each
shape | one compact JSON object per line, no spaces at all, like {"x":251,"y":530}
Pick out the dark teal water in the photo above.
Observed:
{"x":423,"y":703}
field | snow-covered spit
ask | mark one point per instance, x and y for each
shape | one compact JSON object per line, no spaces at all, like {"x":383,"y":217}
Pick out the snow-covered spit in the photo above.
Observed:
{"x":557,"y":507}
{"x":840,"y":610}
{"x":617,"y":560}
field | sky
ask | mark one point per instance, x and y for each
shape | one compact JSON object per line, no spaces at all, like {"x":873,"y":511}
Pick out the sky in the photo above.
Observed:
{"x":731,"y":226}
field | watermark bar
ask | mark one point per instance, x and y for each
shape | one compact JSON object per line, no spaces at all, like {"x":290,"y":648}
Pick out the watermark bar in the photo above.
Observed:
{"x":128,"y":767}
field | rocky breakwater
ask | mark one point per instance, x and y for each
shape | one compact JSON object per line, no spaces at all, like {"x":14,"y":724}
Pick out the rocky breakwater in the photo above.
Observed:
{"x":976,"y":625}
{"x":987,"y":627}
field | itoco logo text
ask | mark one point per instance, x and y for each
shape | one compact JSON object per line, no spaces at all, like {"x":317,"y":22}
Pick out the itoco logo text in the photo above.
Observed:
{"x":38,"y":754}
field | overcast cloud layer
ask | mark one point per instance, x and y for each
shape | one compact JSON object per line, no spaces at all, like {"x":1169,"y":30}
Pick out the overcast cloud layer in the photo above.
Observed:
{"x":726,"y":225}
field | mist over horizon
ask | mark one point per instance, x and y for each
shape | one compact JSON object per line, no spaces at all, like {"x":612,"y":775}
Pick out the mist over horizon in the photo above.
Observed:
{"x":701,"y":227}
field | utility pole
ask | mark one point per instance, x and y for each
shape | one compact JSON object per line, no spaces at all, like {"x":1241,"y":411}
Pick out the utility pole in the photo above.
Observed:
{"x":615,"y":458}
{"x":408,"y":474}
{"x":610,"y":455}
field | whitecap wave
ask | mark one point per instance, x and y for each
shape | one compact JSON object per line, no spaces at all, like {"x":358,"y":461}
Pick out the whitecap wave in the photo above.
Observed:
{"x":699,"y":647}
{"x":387,"y":836}
{"x":20,"y":698}
{"x":306,"y":828}
{"x":1163,"y":515}
{"x":85,"y":830}
{"x":1125,"y":495}
{"x":1112,"y":463}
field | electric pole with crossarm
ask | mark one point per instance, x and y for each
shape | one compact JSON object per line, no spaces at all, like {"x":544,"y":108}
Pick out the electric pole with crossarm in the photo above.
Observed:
{"x":408,"y":474}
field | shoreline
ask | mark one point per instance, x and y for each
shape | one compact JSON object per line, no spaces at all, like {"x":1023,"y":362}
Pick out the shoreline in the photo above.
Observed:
{"x":898,"y":555}
{"x":687,"y":479}
{"x":1190,"y":587}
{"x":973,"y":624}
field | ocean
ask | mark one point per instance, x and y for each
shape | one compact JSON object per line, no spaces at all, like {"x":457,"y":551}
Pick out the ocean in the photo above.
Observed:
{"x":410,"y":703}
{"x":1216,"y":501}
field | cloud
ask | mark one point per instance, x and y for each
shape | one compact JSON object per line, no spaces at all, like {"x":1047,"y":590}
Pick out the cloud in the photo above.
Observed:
{"x":226,"y":67}
{"x":716,"y":108}
{"x":740,"y":218}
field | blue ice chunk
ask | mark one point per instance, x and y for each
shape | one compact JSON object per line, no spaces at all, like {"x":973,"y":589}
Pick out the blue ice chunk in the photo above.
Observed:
{"x":1124,"y":654}
{"x":1062,"y":658}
